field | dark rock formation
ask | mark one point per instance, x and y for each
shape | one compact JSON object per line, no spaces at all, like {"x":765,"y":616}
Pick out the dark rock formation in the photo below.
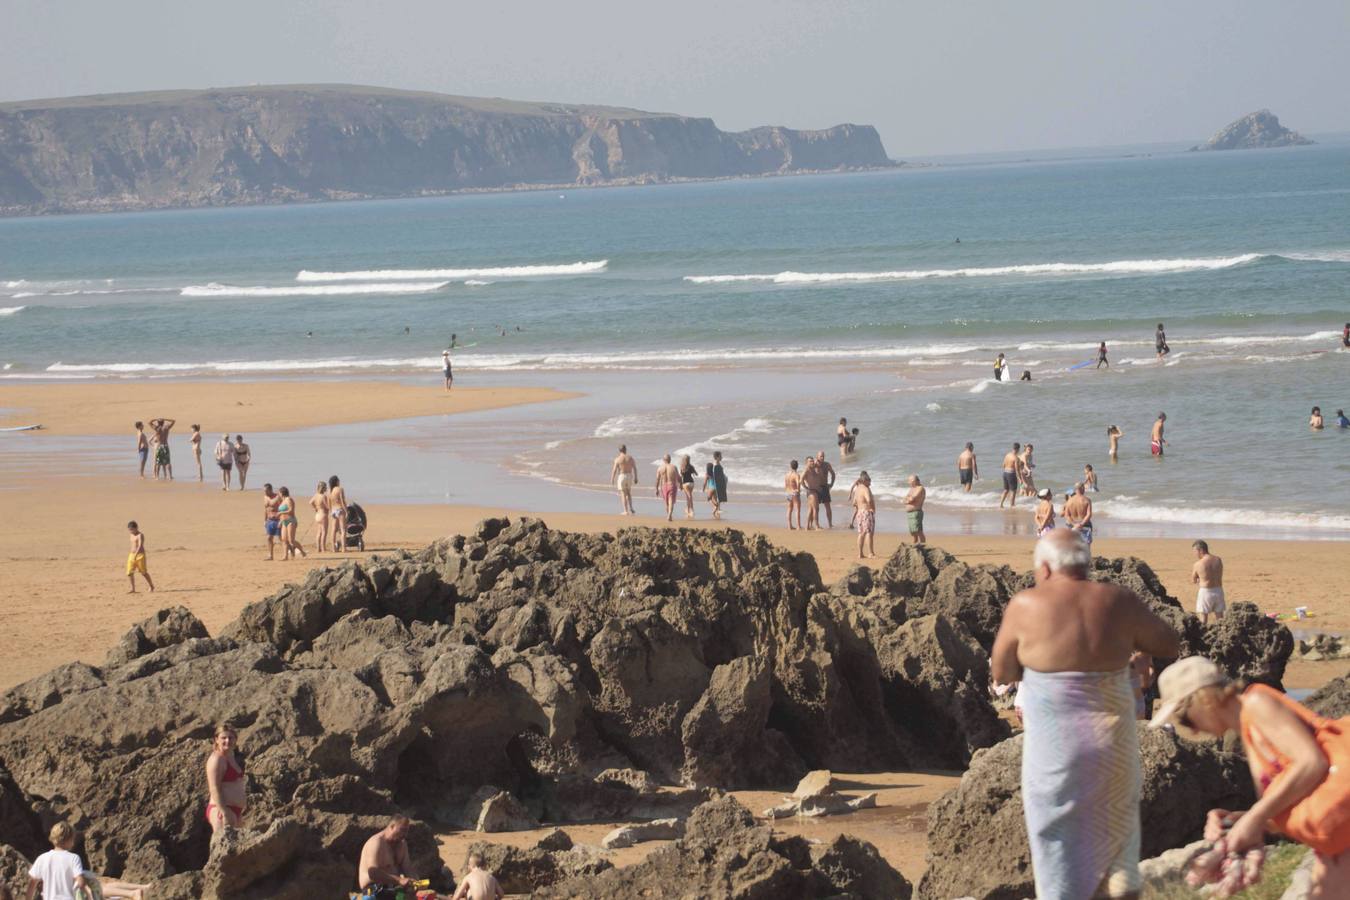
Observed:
{"x":1254,"y":131}
{"x":724,"y":855}
{"x":982,"y":819}
{"x":1247,"y":644}
{"x":1332,"y":699}
{"x":274,"y":144}
{"x":520,"y":871}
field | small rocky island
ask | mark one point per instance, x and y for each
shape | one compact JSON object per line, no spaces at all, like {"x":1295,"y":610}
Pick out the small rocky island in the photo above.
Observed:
{"x":1254,"y":131}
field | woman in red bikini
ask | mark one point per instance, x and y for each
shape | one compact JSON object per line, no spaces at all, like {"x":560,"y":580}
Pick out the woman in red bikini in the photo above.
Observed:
{"x":225,"y":782}
{"x":1300,"y":763}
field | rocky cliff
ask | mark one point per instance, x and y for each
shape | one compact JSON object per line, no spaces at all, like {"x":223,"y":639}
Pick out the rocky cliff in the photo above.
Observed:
{"x":1254,"y":131}
{"x":294,"y":143}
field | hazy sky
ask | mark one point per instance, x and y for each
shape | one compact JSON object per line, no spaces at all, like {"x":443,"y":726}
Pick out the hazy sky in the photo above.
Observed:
{"x":940,"y":76}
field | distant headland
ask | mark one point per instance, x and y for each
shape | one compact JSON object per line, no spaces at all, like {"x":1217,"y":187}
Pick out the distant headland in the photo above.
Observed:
{"x":1256,"y":130}
{"x":294,"y":143}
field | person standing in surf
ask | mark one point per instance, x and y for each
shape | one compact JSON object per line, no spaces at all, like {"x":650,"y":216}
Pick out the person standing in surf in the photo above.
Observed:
{"x":1113,"y":434}
{"x":687,"y":475}
{"x":720,"y":479}
{"x":142,"y":446}
{"x":448,"y":371}
{"x":1000,"y":367}
{"x":792,"y":486}
{"x":1011,"y":463}
{"x":623,"y":475}
{"x":1101,"y":356}
{"x":196,"y":442}
{"x":967,"y":467}
{"x":1160,"y":342}
{"x":224,"y":460}
{"x":1157,"y":439}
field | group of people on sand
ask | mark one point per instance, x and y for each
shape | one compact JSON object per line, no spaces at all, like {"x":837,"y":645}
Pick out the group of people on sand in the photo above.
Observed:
{"x":1078,"y":648}
{"x":671,"y":481}
{"x":281,"y":519}
{"x":384,"y":866}
{"x":230,"y":455}
{"x":816,"y":479}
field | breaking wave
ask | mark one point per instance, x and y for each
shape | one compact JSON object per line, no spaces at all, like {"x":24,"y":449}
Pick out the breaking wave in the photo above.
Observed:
{"x":11,"y":310}
{"x":324,"y":290}
{"x":576,"y":268}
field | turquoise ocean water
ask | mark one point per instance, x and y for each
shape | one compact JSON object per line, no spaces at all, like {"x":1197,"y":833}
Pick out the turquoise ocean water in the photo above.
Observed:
{"x":747,"y":316}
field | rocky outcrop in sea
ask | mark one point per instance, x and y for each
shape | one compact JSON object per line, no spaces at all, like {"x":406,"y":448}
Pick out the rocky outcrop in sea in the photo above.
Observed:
{"x":1252,"y":132}
{"x":520,"y":675}
{"x":279,"y":144}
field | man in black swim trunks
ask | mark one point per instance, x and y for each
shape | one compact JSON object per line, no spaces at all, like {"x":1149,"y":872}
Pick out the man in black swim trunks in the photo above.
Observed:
{"x":1160,"y":342}
{"x":449,"y":375}
{"x":1010,"y":463}
{"x":823,"y":492}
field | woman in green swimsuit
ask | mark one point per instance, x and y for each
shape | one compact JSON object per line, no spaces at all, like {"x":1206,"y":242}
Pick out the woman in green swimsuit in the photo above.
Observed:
{"x":286,"y":512}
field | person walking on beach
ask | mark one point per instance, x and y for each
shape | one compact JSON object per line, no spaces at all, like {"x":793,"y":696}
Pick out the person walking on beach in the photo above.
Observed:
{"x":1068,"y":640}
{"x":448,"y":371}
{"x":914,"y":508}
{"x":792,"y":485}
{"x":667,"y":484}
{"x":196,"y":442}
{"x":720,"y":479}
{"x":687,"y":475}
{"x":227,"y":791}
{"x":1045,"y":512}
{"x":623,"y":474}
{"x":478,"y":883}
{"x":163,"y":460}
{"x":1292,"y":753}
{"x":1315,"y":420}
{"x":1011,"y":462}
{"x":1160,"y":342}
{"x":142,"y":446}
{"x":319,"y":503}
{"x":967,"y":467}
{"x":289,"y":523}
{"x":224,"y":460}
{"x":384,"y":857}
{"x":337,"y":513}
{"x":271,"y":519}
{"x":1113,"y":436}
{"x":1207,"y":576}
{"x":1078,"y":514}
{"x":848,"y":440}
{"x":827,"y":479}
{"x":243,"y":455}
{"x":1157,"y":441}
{"x":59,"y":872}
{"x":865,"y":515}
{"x":710,"y":491}
{"x":136,"y":558}
{"x":1101,"y":356}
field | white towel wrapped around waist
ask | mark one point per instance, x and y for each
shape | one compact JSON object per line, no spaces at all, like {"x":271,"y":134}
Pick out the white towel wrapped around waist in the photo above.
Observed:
{"x":1081,"y":782}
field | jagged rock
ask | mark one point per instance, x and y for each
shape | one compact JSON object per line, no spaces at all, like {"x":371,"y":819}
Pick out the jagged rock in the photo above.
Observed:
{"x":167,"y":657}
{"x":239,"y":859}
{"x":303,"y":612}
{"x":726,"y":724}
{"x":828,"y":804}
{"x":821,"y":781}
{"x":14,"y":868}
{"x":1322,"y":647}
{"x":1331,"y":699}
{"x":557,"y":839}
{"x":1248,"y":645}
{"x":20,"y":826}
{"x":48,"y":689}
{"x":982,"y":817}
{"x":164,"y":629}
{"x":725,"y":856}
{"x":1256,"y":130}
{"x":637,"y":780}
{"x":656,"y":830}
{"x":502,"y":812}
{"x":521,"y":871}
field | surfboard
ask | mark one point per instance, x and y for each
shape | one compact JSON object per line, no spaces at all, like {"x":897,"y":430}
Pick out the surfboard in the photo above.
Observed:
{"x":1082,"y":364}
{"x":22,"y":428}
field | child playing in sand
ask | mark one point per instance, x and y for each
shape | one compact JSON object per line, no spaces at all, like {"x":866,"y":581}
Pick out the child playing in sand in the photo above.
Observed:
{"x":136,"y":558}
{"x":478,"y":883}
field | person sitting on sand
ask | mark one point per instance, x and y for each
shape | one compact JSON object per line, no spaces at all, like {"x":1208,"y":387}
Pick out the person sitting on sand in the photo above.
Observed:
{"x":687,"y":475}
{"x":667,"y":484}
{"x":136,"y":558}
{"x":914,"y":508}
{"x":227,"y":789}
{"x":1315,"y":420}
{"x":1068,"y":640}
{"x":792,"y":486}
{"x":1113,"y":434}
{"x":1207,"y":576}
{"x":478,"y":883}
{"x":337,"y":511}
{"x":163,"y":459}
{"x":58,"y":872}
{"x":1302,"y":795}
{"x":142,"y":446}
{"x":319,"y":503}
{"x":196,"y":441}
{"x":865,"y":515}
{"x":243,"y":455}
{"x":384,"y":858}
{"x":623,"y":475}
{"x":225,"y":460}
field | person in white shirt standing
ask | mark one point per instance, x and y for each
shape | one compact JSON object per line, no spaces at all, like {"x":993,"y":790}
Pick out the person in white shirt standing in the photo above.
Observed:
{"x":58,"y":872}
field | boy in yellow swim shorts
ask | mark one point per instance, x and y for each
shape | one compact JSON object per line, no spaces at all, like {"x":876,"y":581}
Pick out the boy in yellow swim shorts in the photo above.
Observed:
{"x":136,"y":558}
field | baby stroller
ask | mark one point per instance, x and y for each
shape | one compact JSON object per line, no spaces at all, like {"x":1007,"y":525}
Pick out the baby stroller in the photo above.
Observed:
{"x":356,"y":526}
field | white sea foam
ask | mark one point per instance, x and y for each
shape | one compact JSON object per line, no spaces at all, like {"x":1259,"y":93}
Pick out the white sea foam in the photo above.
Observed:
{"x":1128,"y":510}
{"x":576,"y":268}
{"x":1117,"y":267}
{"x":738,"y":439}
{"x":325,"y":290}
{"x":82,"y":292}
{"x":619,"y":426}
{"x":11,"y":310}
{"x":475,"y":282}
{"x":934,"y":407}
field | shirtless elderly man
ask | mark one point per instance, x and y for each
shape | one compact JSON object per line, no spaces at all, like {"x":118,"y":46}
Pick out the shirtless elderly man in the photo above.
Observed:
{"x":623,"y":475}
{"x":1069,"y":640}
{"x":914,"y":508}
{"x":668,"y":485}
{"x":384,"y":859}
{"x":1207,"y":576}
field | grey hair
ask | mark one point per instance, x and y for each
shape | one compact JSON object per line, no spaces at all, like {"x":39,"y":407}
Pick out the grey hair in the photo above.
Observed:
{"x":1063,"y":549}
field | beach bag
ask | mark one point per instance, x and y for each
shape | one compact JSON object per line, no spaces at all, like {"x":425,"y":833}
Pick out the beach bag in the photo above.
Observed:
{"x":1320,"y":820}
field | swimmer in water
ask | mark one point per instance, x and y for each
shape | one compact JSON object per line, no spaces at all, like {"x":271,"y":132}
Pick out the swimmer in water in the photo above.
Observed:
{"x":1089,"y":477}
{"x":454,"y":341}
{"x":1315,"y":420}
{"x":1113,"y":433}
